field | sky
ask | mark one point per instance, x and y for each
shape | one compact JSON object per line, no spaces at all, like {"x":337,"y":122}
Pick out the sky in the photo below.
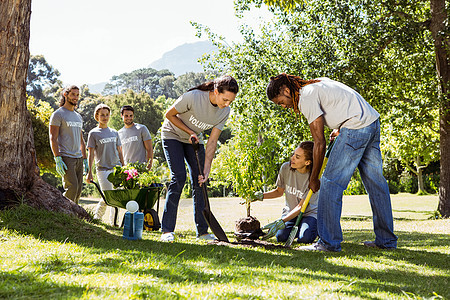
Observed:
{"x":89,"y":41}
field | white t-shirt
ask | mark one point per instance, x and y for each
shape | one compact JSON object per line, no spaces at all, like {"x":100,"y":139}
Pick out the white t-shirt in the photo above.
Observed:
{"x":295,"y":185}
{"x":132,"y":140}
{"x":340,"y":105}
{"x":105,"y":142}
{"x":70,"y":125}
{"x":196,"y":112}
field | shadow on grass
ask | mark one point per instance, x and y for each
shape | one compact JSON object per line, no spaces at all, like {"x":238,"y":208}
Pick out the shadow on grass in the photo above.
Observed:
{"x":369,"y":218}
{"x":396,"y":272}
{"x":29,"y":284}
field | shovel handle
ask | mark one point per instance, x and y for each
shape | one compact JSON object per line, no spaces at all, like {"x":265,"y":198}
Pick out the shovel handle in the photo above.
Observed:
{"x":194,"y":144}
{"x":324,"y":164}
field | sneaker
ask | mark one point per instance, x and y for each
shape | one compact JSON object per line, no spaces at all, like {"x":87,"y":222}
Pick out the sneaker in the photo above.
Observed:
{"x":207,"y":237}
{"x":371,"y":244}
{"x":167,"y":237}
{"x":314,"y":247}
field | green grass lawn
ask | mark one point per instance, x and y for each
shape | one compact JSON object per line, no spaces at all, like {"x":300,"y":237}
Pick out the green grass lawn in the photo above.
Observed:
{"x":53,"y":256}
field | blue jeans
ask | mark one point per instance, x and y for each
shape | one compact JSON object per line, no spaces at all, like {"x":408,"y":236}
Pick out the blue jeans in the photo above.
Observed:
{"x":355,"y":148}
{"x":176,"y":154}
{"x":307,"y":230}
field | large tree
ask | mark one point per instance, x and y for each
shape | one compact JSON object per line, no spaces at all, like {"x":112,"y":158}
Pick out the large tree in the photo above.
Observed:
{"x":19,"y":174}
{"x":41,"y":75}
{"x":362,"y":43}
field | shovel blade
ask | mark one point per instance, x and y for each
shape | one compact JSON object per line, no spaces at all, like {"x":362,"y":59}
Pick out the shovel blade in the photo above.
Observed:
{"x":215,"y":226}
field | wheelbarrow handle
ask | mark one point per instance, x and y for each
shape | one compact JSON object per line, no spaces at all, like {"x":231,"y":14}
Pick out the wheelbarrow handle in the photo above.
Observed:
{"x":99,"y":190}
{"x":116,"y":210}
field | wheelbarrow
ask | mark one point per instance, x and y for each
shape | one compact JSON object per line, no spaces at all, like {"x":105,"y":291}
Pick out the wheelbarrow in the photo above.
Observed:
{"x":145,"y":197}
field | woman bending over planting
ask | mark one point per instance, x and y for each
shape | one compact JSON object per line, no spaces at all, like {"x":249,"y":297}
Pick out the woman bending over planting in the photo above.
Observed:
{"x":201,"y":108}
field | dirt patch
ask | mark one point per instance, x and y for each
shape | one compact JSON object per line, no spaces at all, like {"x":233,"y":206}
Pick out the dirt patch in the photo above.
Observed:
{"x":250,"y":243}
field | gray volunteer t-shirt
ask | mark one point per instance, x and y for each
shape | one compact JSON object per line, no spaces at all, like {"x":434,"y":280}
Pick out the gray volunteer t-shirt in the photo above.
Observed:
{"x":340,"y":105}
{"x":295,"y":185}
{"x":70,"y":125}
{"x":105,"y":142}
{"x":197,"y":113}
{"x":132,"y":140}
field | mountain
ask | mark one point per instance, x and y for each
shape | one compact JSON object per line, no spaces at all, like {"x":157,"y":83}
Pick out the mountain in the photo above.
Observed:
{"x":97,"y":88}
{"x":184,"y":58}
{"x":179,"y":61}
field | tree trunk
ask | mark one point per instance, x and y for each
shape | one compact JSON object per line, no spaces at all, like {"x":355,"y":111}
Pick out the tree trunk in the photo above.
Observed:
{"x":442,"y":50}
{"x":420,"y":185}
{"x":419,"y":170}
{"x":19,"y":174}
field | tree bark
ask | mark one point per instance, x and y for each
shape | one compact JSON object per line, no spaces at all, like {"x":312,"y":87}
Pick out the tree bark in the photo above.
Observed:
{"x":419,"y":173}
{"x":19,"y":174}
{"x":441,"y":38}
{"x":420,"y":184}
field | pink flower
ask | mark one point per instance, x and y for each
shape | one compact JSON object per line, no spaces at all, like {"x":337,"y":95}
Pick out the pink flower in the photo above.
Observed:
{"x":133,"y":173}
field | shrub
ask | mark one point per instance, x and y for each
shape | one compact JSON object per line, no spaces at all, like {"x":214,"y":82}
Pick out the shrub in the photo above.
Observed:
{"x":355,"y":186}
{"x":431,"y":182}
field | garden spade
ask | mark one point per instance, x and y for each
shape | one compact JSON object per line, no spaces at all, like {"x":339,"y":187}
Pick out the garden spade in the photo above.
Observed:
{"x":308,"y":197}
{"x":210,"y":219}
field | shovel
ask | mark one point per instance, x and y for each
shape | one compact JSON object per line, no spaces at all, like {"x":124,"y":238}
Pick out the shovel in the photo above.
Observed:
{"x":207,"y":213}
{"x":308,"y":197}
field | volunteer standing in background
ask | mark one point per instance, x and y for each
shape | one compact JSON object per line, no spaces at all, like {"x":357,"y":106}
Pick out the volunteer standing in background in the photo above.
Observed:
{"x":201,"y":108}
{"x":104,"y":146}
{"x":135,"y":138}
{"x":67,"y":143}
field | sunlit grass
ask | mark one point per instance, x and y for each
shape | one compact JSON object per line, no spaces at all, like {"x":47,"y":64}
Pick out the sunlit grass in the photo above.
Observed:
{"x":52,"y":256}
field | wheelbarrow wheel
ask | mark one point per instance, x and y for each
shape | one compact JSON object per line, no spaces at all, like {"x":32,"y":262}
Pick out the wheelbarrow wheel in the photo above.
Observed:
{"x":151,"y":220}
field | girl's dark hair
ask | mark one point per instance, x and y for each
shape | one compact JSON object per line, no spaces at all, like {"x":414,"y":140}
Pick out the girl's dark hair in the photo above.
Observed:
{"x":293,"y":83}
{"x":67,"y":89}
{"x":222,"y":84}
{"x":307,"y":147}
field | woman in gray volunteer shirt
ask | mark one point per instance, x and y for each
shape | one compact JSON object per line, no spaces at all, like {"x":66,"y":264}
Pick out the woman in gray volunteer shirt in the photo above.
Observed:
{"x":293,"y":181}
{"x":201,"y":108}
{"x":103,"y":145}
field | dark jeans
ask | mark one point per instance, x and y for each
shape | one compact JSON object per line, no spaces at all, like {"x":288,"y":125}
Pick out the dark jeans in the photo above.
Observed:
{"x":307,"y":230}
{"x":177,"y":153}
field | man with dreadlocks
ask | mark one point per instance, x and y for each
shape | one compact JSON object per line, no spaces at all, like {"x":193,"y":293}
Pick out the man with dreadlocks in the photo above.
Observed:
{"x":325,"y":102}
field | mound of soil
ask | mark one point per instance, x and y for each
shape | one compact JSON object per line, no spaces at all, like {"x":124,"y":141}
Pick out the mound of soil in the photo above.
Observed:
{"x":248,"y":224}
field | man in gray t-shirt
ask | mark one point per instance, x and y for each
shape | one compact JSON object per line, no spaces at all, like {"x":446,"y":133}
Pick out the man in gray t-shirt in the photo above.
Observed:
{"x":67,"y":143}
{"x":135,"y":138}
{"x":326,"y":102}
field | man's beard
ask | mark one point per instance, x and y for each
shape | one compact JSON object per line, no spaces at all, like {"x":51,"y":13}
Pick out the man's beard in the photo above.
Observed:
{"x":72,"y":102}
{"x":128,"y":123}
